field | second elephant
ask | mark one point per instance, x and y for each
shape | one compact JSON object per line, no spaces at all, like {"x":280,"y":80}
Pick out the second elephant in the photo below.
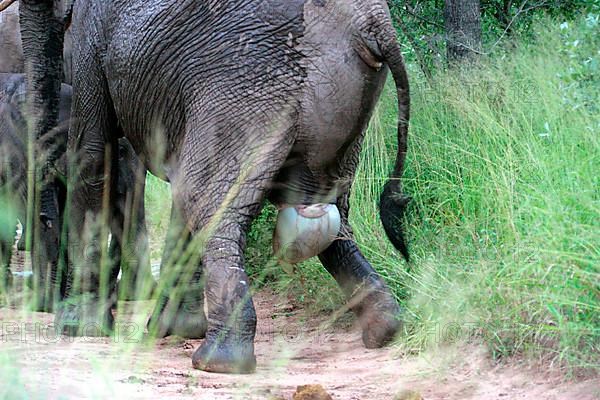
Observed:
{"x":128,"y":249}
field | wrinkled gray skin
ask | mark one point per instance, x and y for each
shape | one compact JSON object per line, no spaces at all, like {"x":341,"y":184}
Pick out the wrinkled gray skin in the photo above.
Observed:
{"x":11,"y":50}
{"x":14,"y":178}
{"x":129,"y":247}
{"x":234,"y":102}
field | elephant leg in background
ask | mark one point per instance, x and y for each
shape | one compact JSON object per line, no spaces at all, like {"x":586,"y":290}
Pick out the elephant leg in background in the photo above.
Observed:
{"x":8,"y":230}
{"x":129,"y":229}
{"x":219,"y":207}
{"x":179,"y":309}
{"x":92,"y":152}
{"x":21,"y":244}
{"x":7,"y":236}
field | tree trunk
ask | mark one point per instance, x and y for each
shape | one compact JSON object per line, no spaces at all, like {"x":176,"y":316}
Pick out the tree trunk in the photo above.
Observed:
{"x":463,"y":29}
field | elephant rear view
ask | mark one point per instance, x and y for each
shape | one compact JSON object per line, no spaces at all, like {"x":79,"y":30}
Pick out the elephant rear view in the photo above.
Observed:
{"x":350,"y":46}
{"x":234,"y":102}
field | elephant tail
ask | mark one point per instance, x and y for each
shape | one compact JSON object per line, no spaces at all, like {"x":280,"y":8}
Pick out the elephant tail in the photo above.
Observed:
{"x":381,"y":38}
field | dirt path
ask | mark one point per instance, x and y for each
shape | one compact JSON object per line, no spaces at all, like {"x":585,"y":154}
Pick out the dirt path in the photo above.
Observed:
{"x":291,"y":350}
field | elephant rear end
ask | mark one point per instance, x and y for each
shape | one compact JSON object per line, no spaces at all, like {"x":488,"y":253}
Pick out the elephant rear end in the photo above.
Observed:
{"x":350,"y":45}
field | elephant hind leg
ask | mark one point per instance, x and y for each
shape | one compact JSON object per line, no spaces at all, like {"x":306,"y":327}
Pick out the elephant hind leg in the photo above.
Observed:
{"x":369,"y":297}
{"x":179,"y":308}
{"x":220,"y":186}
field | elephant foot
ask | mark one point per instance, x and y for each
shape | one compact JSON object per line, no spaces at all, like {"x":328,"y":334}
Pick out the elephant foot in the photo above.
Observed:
{"x":378,"y":313}
{"x":224,"y":357}
{"x":84,"y":318}
{"x":186,"y":319}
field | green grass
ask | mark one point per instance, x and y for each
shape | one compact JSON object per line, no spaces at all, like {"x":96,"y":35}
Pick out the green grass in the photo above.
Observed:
{"x":504,"y":227}
{"x":158,"y":213}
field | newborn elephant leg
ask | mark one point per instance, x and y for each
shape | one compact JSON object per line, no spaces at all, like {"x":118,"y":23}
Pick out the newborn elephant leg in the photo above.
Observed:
{"x":93,"y":159}
{"x":179,"y":309}
{"x":369,"y":297}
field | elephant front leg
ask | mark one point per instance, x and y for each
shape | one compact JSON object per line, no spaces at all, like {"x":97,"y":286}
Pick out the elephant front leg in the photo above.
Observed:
{"x":93,"y":162}
{"x":369,"y":297}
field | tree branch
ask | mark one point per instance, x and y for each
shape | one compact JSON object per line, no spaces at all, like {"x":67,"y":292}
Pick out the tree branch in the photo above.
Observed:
{"x":520,"y":11}
{"x":418,"y":55}
{"x":412,"y":12}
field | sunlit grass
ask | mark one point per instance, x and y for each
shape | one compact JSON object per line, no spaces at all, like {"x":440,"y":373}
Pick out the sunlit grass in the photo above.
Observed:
{"x":504,"y":226}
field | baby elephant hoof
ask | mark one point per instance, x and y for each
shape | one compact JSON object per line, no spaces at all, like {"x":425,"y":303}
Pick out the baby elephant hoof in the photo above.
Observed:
{"x":225,"y":358}
{"x":88,"y":319}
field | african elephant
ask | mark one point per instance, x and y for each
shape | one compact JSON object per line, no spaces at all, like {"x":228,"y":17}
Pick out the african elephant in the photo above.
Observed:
{"x":234,"y":102}
{"x":129,"y":244}
{"x":14,"y":177}
{"x":11,"y":51}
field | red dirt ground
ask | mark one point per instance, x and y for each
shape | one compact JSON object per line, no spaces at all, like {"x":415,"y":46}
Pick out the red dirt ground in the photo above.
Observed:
{"x":292,"y":349}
